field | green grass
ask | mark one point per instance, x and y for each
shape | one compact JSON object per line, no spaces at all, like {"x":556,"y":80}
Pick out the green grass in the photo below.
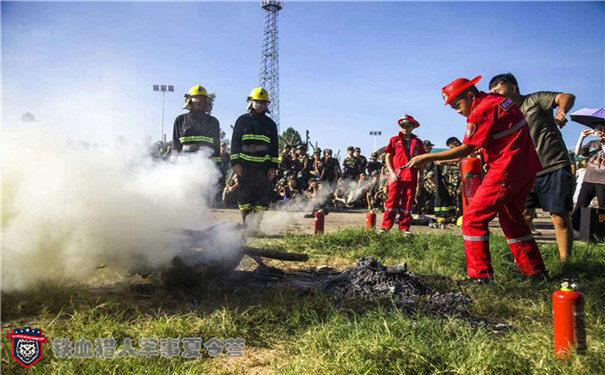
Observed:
{"x":290,"y":333}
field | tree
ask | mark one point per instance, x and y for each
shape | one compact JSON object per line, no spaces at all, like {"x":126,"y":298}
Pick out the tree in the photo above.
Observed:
{"x":290,"y":136}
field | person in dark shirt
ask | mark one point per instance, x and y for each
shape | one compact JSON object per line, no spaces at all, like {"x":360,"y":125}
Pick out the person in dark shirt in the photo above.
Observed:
{"x":553,"y":190}
{"x":285,"y":161}
{"x":303,"y":166}
{"x":363,"y":162}
{"x":374,"y":164}
{"x":330,"y":168}
{"x":351,"y":165}
{"x":317,"y":163}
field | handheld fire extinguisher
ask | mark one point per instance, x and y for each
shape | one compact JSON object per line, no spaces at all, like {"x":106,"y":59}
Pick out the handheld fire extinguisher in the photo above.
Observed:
{"x":568,"y":311}
{"x":319,"y":222}
{"x":472,"y":174}
{"x":371,"y":220}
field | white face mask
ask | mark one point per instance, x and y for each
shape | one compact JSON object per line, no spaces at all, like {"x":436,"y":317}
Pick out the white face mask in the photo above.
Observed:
{"x":259,"y":106}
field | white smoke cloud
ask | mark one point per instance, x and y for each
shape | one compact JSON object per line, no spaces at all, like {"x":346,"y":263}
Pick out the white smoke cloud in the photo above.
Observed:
{"x":67,"y":209}
{"x":282,"y":216}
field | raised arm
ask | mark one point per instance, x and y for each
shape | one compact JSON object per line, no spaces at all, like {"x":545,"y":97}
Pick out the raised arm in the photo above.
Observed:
{"x":564,"y":101}
{"x":585,"y":133}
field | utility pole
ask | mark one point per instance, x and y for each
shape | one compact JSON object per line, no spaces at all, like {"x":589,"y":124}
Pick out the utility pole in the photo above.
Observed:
{"x":375,"y":133}
{"x":163,"y":89}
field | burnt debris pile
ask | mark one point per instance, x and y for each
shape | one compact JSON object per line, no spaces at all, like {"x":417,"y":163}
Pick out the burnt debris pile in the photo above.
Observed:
{"x":370,"y":280}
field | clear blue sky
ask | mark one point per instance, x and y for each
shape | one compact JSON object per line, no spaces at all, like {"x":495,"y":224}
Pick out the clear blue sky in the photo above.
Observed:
{"x":346,"y":68}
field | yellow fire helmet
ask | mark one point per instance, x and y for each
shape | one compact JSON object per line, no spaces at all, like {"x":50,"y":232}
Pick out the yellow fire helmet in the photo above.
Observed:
{"x":259,"y":94}
{"x":198,"y":90}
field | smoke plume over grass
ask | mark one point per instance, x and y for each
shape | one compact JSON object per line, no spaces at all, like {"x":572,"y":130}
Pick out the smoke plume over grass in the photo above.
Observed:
{"x":68,"y":208}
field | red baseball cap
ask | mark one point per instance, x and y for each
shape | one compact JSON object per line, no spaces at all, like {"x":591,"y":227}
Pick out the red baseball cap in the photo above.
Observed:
{"x":410,"y":119}
{"x":456,"y":87}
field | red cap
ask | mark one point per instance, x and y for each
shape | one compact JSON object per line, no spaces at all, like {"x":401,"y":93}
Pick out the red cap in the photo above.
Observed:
{"x":456,"y":87}
{"x":410,"y":119}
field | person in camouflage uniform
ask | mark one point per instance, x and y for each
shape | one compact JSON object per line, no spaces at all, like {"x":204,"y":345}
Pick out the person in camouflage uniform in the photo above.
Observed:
{"x":454,"y":177}
{"x":374,"y":164}
{"x":454,"y":185}
{"x":363,"y":162}
{"x":351,"y":166}
{"x":302,"y":166}
{"x":317,"y":163}
{"x":285,"y":161}
{"x":330,"y":168}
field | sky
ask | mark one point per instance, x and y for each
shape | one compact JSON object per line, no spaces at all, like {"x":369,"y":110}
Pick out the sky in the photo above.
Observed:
{"x":346,"y":68}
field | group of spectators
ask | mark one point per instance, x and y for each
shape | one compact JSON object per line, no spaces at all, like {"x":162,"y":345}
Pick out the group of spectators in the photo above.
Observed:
{"x":309,"y":180}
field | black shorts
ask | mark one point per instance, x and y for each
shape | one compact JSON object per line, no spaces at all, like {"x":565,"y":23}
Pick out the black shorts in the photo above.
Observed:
{"x":553,"y":192}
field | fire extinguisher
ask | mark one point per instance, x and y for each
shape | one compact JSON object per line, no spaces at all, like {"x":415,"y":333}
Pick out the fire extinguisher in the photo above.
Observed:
{"x":319,"y":222}
{"x":568,"y":311}
{"x":472,"y":174}
{"x":371,"y":220}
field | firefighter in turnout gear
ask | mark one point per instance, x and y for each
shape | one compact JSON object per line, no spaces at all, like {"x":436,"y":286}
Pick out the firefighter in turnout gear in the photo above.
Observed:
{"x":197,"y":128}
{"x":254,"y":154}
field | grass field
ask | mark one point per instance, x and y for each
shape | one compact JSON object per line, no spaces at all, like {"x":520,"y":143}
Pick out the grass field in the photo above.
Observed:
{"x":290,"y":333}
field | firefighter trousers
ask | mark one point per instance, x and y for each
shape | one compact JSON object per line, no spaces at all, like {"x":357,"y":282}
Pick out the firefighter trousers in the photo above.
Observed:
{"x":507,"y":200}
{"x":400,"y":199}
{"x":254,"y":187}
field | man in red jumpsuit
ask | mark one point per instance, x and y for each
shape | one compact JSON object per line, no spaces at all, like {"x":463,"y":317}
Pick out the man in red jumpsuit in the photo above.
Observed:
{"x":402,"y":181}
{"x":496,"y":125}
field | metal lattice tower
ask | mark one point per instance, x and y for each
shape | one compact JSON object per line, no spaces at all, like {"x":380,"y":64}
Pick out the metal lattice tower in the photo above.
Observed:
{"x":269,"y":64}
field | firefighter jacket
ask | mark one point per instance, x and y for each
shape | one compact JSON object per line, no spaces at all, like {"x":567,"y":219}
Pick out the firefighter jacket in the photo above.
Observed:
{"x":197,"y":129}
{"x":254,"y":142}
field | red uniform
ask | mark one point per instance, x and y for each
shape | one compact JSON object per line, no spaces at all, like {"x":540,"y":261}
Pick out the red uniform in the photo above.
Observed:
{"x":403,"y":190}
{"x":496,"y":124}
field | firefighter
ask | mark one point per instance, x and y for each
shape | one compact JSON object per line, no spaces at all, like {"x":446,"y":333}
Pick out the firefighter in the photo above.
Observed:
{"x":254,"y":154}
{"x":197,"y":128}
{"x":402,"y":181}
{"x":495,"y":124}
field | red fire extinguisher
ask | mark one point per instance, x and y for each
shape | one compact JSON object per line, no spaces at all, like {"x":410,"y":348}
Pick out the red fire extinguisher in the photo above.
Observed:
{"x":371,"y":220}
{"x":568,"y":310}
{"x":472,"y":174}
{"x":319,"y":222}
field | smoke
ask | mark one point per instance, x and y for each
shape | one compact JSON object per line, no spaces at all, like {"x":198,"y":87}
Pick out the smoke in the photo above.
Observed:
{"x":67,"y":209}
{"x":281,"y":215}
